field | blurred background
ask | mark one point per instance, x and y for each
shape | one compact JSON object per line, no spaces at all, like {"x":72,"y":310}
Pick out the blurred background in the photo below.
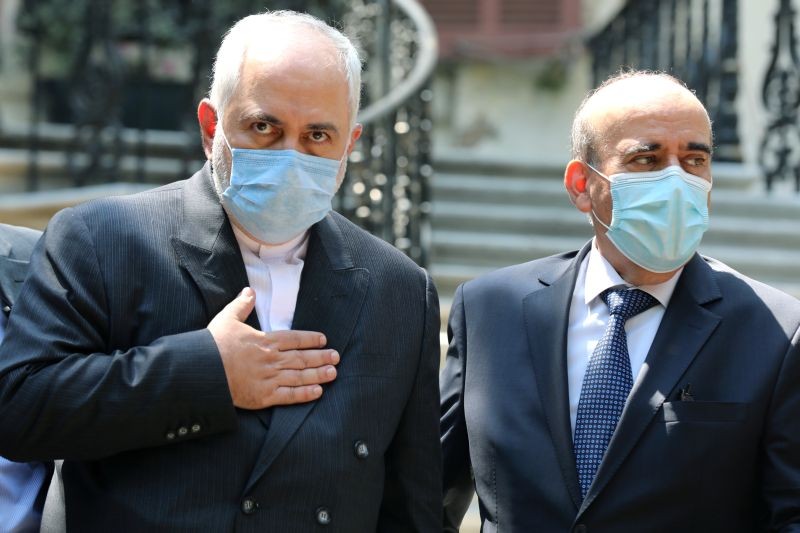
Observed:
{"x":467,"y":110}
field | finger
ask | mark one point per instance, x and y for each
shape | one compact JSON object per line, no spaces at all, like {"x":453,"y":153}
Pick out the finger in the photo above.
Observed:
{"x":290,"y":395}
{"x":293,"y":339}
{"x":241,"y":306}
{"x":302,"y":359}
{"x":309,"y":376}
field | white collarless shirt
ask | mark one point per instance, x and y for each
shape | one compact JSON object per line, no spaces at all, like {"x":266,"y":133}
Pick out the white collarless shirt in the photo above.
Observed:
{"x":588,"y":317}
{"x":273,"y":272}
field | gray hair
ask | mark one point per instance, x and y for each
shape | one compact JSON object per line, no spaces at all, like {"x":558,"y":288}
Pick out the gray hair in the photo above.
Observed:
{"x":585,"y":138}
{"x":233,"y":50}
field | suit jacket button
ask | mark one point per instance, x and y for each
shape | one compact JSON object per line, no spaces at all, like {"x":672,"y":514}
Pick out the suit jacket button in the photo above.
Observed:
{"x":249,"y":506}
{"x":580,"y":528}
{"x":323,"y":516}
{"x":171,"y":435}
{"x":196,"y":428}
{"x":182,"y":432}
{"x":361,"y":449}
{"x":6,"y":309}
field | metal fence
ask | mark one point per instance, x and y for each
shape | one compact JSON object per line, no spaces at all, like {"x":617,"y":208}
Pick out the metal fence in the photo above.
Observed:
{"x":695,"y":40}
{"x":116,"y":84}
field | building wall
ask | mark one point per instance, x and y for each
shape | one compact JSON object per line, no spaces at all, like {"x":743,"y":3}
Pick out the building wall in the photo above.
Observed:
{"x":498,"y":111}
{"x":505,"y":112}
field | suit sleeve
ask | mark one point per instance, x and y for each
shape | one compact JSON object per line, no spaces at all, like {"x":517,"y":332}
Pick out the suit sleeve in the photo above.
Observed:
{"x":781,"y":473}
{"x":63,"y":394}
{"x":412,"y":499}
{"x":458,"y":485}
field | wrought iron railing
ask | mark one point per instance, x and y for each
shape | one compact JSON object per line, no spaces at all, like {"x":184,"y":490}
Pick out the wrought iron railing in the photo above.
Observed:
{"x":779,"y":155}
{"x":115,"y":72}
{"x":695,"y":40}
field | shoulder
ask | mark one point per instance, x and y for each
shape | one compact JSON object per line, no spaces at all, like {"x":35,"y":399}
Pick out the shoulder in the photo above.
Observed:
{"x":143,"y":202}
{"x":747,"y":295}
{"x":373,"y":253}
{"x":520,"y":279}
{"x":114,"y":215}
{"x":17,"y":242}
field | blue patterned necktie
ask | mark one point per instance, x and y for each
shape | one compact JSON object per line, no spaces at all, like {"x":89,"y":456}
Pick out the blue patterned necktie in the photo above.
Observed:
{"x":606,"y":384}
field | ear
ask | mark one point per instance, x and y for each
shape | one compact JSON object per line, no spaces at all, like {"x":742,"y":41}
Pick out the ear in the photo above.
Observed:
{"x":207,"y":117}
{"x":575,"y":177}
{"x":355,"y":134}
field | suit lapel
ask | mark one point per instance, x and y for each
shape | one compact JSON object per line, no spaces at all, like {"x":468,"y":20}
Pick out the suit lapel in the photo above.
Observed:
{"x":684,"y":330}
{"x":207,"y":247}
{"x":208,"y":250}
{"x":546,"y":321}
{"x":331,"y":295}
{"x":11,"y":281}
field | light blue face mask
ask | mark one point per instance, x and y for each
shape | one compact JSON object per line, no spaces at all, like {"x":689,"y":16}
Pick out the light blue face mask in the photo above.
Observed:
{"x":658,"y":218}
{"x":278,"y":194}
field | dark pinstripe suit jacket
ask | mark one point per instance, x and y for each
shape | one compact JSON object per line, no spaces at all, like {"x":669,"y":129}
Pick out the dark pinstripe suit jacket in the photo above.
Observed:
{"x":109,"y":366}
{"x":16,"y":245}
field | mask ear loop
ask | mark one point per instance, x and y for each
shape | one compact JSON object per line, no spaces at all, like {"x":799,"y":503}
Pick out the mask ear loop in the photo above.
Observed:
{"x":594,"y":215}
{"x":222,"y":132}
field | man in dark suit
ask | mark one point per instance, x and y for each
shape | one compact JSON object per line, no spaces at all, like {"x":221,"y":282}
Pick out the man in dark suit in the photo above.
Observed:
{"x":22,"y":485}
{"x":137,"y":356}
{"x":633,"y":385}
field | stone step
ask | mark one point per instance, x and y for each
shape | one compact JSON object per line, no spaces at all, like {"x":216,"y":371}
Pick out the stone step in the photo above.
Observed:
{"x":726,"y":175}
{"x":59,"y":137}
{"x":34,"y":209}
{"x":569,"y":222}
{"x":540,"y":191}
{"x":458,"y":256}
{"x":53,"y":174}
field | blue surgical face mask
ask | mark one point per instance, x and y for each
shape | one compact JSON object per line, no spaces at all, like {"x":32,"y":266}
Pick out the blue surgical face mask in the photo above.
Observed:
{"x":658,"y":218}
{"x":276,"y":195}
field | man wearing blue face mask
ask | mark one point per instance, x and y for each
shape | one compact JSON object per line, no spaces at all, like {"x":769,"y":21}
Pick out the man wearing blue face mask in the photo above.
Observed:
{"x":632,"y":385}
{"x":225,"y":353}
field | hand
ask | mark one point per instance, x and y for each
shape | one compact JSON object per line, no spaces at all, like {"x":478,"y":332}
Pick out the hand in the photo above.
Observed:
{"x":265,"y":369}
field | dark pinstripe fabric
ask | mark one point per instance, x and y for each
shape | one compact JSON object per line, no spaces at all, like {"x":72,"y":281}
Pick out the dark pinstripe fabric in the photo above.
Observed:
{"x":111,"y":354}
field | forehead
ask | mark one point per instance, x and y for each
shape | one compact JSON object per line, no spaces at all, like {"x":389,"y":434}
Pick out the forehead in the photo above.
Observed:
{"x":297,"y":72}
{"x":663,"y":114}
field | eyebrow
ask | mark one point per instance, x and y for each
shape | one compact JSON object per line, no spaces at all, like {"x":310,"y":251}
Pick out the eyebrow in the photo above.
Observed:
{"x":651,"y":147}
{"x":641,"y":147}
{"x":261,"y":117}
{"x":323,"y":126}
{"x":702,"y":147}
{"x":272,"y":119}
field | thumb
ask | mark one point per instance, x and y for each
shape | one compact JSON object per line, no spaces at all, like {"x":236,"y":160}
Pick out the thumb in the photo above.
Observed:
{"x":241,"y":306}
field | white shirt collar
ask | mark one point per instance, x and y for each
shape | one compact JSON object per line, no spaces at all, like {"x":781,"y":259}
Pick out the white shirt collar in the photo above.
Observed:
{"x":600,"y":275}
{"x":291,"y":252}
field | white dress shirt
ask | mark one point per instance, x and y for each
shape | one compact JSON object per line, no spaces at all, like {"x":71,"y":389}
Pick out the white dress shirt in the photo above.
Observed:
{"x":20,"y":484}
{"x":588,"y":317}
{"x":273,"y":272}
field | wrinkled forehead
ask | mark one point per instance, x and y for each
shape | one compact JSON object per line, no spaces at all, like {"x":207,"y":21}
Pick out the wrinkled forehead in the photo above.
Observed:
{"x":647,"y":108}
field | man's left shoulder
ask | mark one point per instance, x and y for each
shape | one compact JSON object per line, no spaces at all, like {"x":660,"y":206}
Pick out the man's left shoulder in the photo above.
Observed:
{"x":748,"y":291}
{"x":17,"y":242}
{"x":371,"y":252}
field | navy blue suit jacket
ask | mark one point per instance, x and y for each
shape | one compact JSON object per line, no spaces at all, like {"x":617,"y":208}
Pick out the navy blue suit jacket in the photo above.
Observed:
{"x":729,"y":461}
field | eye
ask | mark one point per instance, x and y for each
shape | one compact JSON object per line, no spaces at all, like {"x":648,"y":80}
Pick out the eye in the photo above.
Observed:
{"x":643,"y":160}
{"x":696,"y":161}
{"x":318,"y":136}
{"x":263,"y":128}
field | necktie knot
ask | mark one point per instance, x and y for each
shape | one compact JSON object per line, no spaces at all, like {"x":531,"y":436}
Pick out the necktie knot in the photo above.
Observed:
{"x":625,"y":303}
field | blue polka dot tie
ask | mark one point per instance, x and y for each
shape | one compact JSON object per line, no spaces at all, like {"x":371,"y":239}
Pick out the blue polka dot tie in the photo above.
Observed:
{"x":606,"y":384}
